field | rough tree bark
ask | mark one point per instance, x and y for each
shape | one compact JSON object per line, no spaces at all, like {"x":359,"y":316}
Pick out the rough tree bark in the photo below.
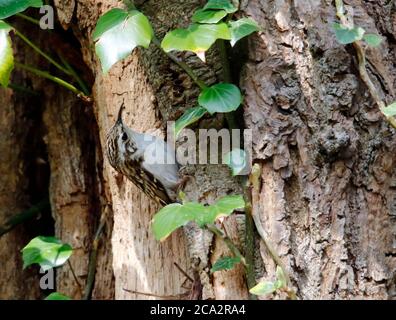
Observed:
{"x":328,"y":193}
{"x":327,"y":199}
{"x":14,"y":284}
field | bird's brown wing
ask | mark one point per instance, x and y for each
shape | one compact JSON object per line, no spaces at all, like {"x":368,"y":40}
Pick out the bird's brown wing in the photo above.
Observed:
{"x":146,"y":182}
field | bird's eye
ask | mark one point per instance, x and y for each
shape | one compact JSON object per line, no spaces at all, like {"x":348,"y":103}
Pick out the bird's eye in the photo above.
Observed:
{"x":124,"y":137}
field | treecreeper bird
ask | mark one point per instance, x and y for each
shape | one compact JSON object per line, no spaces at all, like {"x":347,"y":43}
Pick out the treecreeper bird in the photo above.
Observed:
{"x":148,"y":161}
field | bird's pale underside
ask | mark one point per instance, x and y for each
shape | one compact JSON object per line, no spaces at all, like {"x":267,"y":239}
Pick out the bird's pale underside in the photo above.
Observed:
{"x":148,"y":161}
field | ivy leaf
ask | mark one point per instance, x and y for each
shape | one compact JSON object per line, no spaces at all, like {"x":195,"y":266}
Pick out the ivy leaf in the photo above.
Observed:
{"x":225,"y":263}
{"x":197,"y":38}
{"x":208,"y":16}
{"x":48,"y":252}
{"x":222,"y":208}
{"x":373,"y":40}
{"x":263,"y":288}
{"x":6,"y":54}
{"x":174,"y":216}
{"x":190,"y":116}
{"x":236,"y":160}
{"x":108,"y":21}
{"x":242,"y":28}
{"x":222,"y":97}
{"x":281,"y":278}
{"x":220,"y":5}
{"x":57,"y":296}
{"x":10,"y":7}
{"x":390,"y":110}
{"x":346,"y":35}
{"x":118,"y":32}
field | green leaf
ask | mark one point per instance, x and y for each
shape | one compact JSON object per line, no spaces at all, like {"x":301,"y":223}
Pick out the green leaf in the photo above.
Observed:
{"x":208,"y":16}
{"x":390,"y":110}
{"x":174,"y":216}
{"x":222,"y":208}
{"x":108,"y":21}
{"x":222,"y":97}
{"x":190,"y":116}
{"x":263,"y":288}
{"x":346,"y":35}
{"x":236,"y":160}
{"x":281,"y":278}
{"x":57,"y":296}
{"x":242,"y":28}
{"x":6,"y":54}
{"x":48,"y":252}
{"x":118,"y":32}
{"x":373,"y":40}
{"x":10,"y":7}
{"x":220,"y":5}
{"x":197,"y":38}
{"x":225,"y":263}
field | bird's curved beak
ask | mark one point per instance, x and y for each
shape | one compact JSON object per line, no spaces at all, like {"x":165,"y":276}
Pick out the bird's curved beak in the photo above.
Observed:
{"x":119,"y":117}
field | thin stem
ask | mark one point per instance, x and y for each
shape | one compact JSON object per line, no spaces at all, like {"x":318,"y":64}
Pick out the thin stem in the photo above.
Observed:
{"x":24,"y":216}
{"x":94,"y":255}
{"x":27,"y":18}
{"x":75,"y":75}
{"x":249,"y":239}
{"x":57,"y":80}
{"x":227,"y":76}
{"x":183,"y":272}
{"x":169,"y":297}
{"x":40,"y":52}
{"x":74,"y":275}
{"x":182,"y":65}
{"x":340,"y":9}
{"x":361,"y":54}
{"x":129,"y":4}
{"x":224,"y":60}
{"x":227,"y":241}
{"x":254,"y":181}
{"x":68,"y":70}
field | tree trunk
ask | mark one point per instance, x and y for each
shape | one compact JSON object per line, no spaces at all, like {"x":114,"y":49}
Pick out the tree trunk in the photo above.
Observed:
{"x":327,"y":199}
{"x":328,"y":195}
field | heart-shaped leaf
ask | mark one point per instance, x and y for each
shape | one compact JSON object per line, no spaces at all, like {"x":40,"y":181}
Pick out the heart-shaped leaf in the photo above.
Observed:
{"x":48,"y":252}
{"x":190,"y":116}
{"x":242,"y":28}
{"x":57,"y":296}
{"x":263,"y":288}
{"x":118,"y":32}
{"x":222,"y":97}
{"x":197,"y":38}
{"x":373,"y":40}
{"x":208,"y":16}
{"x":225,"y":263}
{"x":6,"y":54}
{"x":10,"y":7}
{"x":108,"y":21}
{"x":390,"y":110}
{"x":220,"y":5}
{"x":346,"y":35}
{"x":236,"y":160}
{"x":176,"y":215}
{"x":222,"y":208}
